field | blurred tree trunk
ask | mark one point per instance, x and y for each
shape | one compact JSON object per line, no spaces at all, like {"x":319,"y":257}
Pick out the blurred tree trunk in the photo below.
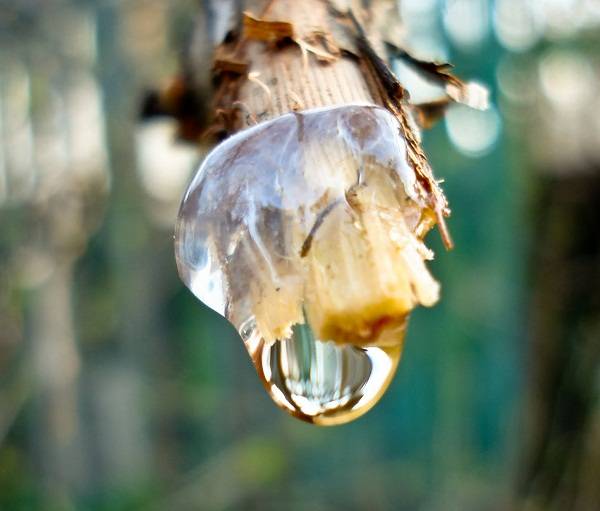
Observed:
{"x":562,"y":459}
{"x":55,"y":355}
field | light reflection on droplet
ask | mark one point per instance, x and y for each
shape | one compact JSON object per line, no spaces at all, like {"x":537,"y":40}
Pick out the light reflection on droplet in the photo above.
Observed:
{"x":473,"y":132}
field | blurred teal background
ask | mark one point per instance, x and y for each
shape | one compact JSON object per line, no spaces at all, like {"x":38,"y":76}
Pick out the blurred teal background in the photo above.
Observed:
{"x":120,"y":391}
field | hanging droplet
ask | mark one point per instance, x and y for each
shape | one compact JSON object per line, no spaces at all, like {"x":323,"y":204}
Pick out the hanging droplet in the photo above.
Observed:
{"x":321,"y":382}
{"x":305,"y":232}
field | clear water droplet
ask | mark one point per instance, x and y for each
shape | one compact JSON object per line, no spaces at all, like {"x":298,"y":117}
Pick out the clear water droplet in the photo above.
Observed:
{"x":321,"y":382}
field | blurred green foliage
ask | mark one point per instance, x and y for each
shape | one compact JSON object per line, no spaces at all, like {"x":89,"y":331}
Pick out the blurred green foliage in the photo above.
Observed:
{"x":120,"y":391}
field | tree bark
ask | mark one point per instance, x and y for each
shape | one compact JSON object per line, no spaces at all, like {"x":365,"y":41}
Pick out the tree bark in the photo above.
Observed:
{"x":293,"y":56}
{"x":562,"y":456}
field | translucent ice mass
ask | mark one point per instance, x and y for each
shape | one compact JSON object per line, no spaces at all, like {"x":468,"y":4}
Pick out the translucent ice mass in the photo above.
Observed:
{"x":305,"y":232}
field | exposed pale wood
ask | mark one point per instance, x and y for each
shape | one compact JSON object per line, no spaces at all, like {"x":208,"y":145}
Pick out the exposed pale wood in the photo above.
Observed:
{"x":291,"y":78}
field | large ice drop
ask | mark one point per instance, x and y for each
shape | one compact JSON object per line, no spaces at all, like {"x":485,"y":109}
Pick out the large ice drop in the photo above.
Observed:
{"x":305,"y":232}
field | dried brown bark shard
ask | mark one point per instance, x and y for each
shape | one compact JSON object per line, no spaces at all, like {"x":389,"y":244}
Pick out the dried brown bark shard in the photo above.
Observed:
{"x":427,"y":114}
{"x":470,"y":94}
{"x":266,"y":30}
{"x":180,"y":101}
{"x":229,"y":65}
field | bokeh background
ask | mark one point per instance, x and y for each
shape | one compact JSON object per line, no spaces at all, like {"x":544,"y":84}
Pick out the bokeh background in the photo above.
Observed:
{"x":120,"y":391}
